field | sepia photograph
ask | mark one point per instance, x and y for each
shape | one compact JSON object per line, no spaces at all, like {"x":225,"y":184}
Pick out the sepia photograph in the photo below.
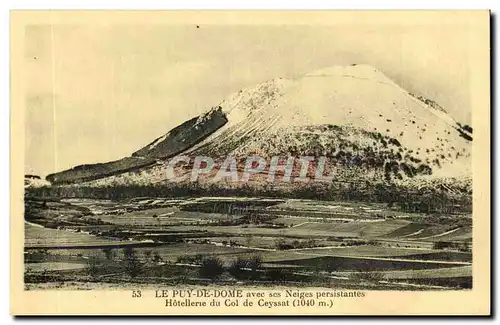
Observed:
{"x":201,"y":156}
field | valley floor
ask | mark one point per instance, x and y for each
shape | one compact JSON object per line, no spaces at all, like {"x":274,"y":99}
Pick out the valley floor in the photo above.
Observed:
{"x":100,"y":244}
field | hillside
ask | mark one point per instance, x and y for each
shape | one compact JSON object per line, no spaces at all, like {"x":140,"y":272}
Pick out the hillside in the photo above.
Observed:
{"x":369,"y":128}
{"x":174,"y":142}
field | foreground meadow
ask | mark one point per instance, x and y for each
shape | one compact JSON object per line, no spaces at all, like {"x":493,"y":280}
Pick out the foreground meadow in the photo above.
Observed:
{"x":243,"y":241}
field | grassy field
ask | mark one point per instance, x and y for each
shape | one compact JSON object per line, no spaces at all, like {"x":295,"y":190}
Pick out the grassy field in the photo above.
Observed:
{"x":36,"y":236}
{"x":352,"y":229}
{"x":366,"y":250}
{"x":168,"y":252}
{"x":337,"y":263}
{"x":460,"y":271}
{"x":294,"y":241}
{"x":54,"y":266}
{"x":170,"y":216}
{"x":441,"y":256}
{"x":368,"y":229}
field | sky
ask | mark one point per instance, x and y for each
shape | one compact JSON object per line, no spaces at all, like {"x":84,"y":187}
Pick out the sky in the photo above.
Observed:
{"x":96,"y":93}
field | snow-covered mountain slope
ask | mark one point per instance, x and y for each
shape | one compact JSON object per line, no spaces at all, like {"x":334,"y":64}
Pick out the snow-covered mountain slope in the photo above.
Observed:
{"x":368,"y":126}
{"x":357,"y":96}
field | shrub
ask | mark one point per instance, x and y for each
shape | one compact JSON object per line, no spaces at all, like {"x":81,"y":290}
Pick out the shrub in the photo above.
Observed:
{"x":277,"y":275}
{"x":463,"y":247}
{"x":441,"y":245}
{"x":38,"y":255}
{"x":128,"y":252}
{"x":211,"y":268}
{"x":189,"y":259}
{"x":183,"y":259}
{"x":255,"y":263}
{"x":198,"y":259}
{"x":237,"y":267}
{"x":279,"y":243}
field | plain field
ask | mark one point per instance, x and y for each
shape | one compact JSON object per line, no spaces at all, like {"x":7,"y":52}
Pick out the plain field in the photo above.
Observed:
{"x":351,"y":238}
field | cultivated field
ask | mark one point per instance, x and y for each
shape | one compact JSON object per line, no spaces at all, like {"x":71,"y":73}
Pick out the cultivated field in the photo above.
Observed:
{"x":244,"y":241}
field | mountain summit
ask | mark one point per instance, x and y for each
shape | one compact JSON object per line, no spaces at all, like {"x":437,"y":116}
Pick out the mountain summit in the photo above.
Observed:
{"x":369,"y":128}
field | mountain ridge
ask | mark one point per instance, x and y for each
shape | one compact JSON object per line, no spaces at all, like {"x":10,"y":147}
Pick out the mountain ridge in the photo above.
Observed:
{"x":342,"y":110}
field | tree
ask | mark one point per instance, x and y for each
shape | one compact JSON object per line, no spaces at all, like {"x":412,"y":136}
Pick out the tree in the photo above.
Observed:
{"x":255,"y":264}
{"x":132,"y":264}
{"x":248,"y":240}
{"x":128,"y":252}
{"x":93,"y":266}
{"x":109,"y":253}
{"x":157,"y":258}
{"x":147,"y":254}
{"x":211,"y":267}
{"x":241,"y":266}
{"x":440,"y":245}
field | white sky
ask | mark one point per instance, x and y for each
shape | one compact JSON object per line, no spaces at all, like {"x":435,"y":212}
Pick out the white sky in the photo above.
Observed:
{"x":115,"y":88}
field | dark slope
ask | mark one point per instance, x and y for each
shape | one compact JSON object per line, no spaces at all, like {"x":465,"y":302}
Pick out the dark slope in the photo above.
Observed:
{"x":174,"y":142}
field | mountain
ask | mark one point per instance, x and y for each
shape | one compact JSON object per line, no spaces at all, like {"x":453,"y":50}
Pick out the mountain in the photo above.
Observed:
{"x":368,"y":127}
{"x":174,"y":142}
